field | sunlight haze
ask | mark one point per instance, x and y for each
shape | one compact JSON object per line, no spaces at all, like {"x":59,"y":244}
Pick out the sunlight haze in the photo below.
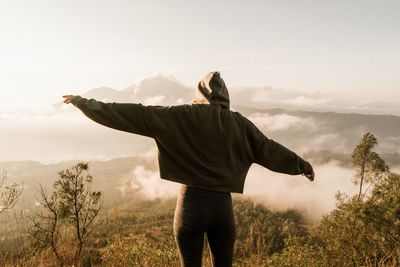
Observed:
{"x":344,"y":48}
{"x":308,"y":131}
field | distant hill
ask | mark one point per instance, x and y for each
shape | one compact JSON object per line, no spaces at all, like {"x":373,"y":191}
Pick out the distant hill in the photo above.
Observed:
{"x":152,"y":91}
{"x":61,"y":132}
{"x":108,"y":94}
{"x":331,"y":131}
{"x":109,"y":176}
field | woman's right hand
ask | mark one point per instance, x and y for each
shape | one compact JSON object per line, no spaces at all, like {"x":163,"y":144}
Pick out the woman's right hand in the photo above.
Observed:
{"x":68,"y":98}
{"x":309,"y":172}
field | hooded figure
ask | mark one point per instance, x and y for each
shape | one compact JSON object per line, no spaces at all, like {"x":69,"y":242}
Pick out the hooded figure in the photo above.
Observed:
{"x":213,"y":89}
{"x":208,"y":149}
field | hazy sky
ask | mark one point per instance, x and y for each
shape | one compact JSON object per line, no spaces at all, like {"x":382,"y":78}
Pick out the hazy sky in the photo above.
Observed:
{"x":50,"y":47}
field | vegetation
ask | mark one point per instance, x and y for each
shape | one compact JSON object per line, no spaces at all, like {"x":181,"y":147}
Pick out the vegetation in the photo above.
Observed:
{"x":70,"y":209}
{"x":8,"y":194}
{"x":368,"y":164}
{"x":363,"y":230}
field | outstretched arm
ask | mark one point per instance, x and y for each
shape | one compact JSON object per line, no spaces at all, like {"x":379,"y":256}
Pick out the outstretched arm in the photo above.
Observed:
{"x":128,"y":117}
{"x":276,"y":157}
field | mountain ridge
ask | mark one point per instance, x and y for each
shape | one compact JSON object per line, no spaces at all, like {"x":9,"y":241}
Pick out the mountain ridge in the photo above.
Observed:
{"x":170,"y":91}
{"x":62,"y":132}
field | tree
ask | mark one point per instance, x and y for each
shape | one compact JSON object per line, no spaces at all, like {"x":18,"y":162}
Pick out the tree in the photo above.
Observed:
{"x":72,"y":206}
{"x":383,"y":213}
{"x":9,"y":194}
{"x":364,"y":229}
{"x":260,"y":232}
{"x":368,"y":165}
{"x":365,"y":232}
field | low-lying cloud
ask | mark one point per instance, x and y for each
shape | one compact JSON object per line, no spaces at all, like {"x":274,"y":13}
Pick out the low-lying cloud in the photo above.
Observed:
{"x":154,"y":100}
{"x":272,"y":97}
{"x":152,"y":186}
{"x":57,"y":134}
{"x":282,"y":192}
{"x":280,"y":122}
{"x":305,"y":101}
{"x":61,"y":132}
{"x":301,"y":134}
{"x":277,"y":191}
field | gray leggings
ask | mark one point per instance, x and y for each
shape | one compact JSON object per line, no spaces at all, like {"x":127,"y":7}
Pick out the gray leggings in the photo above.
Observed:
{"x":200,"y":211}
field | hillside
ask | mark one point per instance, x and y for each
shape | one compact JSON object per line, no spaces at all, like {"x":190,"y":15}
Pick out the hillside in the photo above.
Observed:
{"x":61,"y":132}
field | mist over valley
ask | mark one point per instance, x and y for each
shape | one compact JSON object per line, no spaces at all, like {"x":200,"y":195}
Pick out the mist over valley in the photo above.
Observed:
{"x":36,"y":143}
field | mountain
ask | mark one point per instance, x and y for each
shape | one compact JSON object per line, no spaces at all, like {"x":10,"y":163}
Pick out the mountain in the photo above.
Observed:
{"x":107,"y":94}
{"x":62,"y":133}
{"x":156,"y":90}
{"x":171,"y":91}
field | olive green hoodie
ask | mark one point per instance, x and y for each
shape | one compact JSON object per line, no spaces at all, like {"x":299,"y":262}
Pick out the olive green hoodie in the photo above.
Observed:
{"x":205,"y":146}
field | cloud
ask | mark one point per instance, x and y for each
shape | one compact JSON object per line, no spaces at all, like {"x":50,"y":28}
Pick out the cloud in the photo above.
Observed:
{"x":148,"y":183}
{"x":305,"y":101}
{"x":282,"y":192}
{"x":277,"y":191}
{"x":279,"y":122}
{"x":62,"y":132}
{"x":319,"y":101}
{"x":390,"y":144}
{"x":328,"y":141}
{"x":39,"y":116}
{"x":283,"y":97}
{"x":154,"y":100}
{"x":50,"y":134}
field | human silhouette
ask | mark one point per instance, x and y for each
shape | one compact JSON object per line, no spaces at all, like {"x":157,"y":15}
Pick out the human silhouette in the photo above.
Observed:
{"x":208,"y":149}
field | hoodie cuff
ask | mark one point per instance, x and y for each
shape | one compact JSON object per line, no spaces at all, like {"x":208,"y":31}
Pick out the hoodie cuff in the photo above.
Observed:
{"x":75,"y":100}
{"x":307,"y":168}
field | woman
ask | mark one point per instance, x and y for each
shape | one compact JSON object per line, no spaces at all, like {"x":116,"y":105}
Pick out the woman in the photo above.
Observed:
{"x":209,"y":150}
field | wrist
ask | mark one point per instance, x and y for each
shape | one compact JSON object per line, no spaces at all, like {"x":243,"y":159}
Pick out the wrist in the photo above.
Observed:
{"x":75,"y":100}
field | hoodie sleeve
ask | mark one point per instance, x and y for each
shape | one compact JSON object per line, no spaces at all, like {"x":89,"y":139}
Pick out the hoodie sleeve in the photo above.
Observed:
{"x":273,"y":155}
{"x":128,"y":117}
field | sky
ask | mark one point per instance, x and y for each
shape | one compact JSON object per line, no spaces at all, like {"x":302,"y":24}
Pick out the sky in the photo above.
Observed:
{"x":344,"y":48}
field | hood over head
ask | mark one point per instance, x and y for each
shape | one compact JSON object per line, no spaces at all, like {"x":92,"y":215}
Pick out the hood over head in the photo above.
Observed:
{"x":213,"y":88}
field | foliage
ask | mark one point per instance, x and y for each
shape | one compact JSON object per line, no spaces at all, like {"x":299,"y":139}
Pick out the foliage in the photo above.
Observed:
{"x":299,"y":252}
{"x":262,"y":232}
{"x":154,"y":247}
{"x":368,"y":164}
{"x":360,"y":231}
{"x":363,"y":230}
{"x":9,"y":194}
{"x":365,"y":233}
{"x":69,"y":211}
{"x":150,"y":240}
